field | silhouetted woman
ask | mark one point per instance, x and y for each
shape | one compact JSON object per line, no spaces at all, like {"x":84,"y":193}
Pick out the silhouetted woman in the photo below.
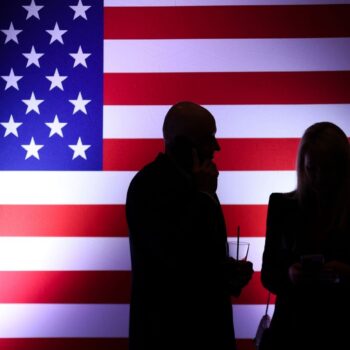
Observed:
{"x":306,"y":261}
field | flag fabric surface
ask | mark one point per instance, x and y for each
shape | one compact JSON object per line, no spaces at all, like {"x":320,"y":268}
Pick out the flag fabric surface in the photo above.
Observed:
{"x":84,"y":87}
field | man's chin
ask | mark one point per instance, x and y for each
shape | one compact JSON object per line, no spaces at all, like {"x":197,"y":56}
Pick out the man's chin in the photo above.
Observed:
{"x":206,"y":159}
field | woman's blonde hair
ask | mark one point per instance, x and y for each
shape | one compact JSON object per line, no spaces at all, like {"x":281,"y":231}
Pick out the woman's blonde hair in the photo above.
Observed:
{"x":327,"y":140}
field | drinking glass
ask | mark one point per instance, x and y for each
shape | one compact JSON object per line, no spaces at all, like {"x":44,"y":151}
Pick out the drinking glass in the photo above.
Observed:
{"x":238,"y":250}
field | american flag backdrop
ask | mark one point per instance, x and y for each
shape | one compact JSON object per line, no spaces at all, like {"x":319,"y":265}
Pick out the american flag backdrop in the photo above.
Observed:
{"x":84,"y":87}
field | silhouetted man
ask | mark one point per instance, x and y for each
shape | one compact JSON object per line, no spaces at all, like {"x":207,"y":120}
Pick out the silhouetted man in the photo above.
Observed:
{"x":182,"y":278}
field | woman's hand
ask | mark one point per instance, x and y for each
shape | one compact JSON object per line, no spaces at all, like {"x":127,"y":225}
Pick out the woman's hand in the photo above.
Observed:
{"x":296,"y":274}
{"x":336,"y":271}
{"x":331,"y":272}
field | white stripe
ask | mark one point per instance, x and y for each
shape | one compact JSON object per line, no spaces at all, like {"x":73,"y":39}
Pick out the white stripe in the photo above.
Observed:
{"x":128,"y":3}
{"x":246,"y":319}
{"x":64,"y":254}
{"x":64,"y":187}
{"x":232,"y":121}
{"x":110,"y":187}
{"x":63,"y":320}
{"x":226,"y":55}
{"x":95,"y":320}
{"x":82,"y":254}
{"x":253,"y":187}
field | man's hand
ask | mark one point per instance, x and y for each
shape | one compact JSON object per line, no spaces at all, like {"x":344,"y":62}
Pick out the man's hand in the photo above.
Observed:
{"x":205,"y":174}
{"x":240,"y":273}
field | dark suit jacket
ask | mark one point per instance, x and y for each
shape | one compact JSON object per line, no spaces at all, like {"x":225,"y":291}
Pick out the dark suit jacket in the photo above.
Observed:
{"x":307,"y":316}
{"x":177,"y":237}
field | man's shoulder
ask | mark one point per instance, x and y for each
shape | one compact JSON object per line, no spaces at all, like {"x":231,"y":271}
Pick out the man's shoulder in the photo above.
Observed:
{"x":152,"y":169}
{"x":155,"y":175}
{"x":148,"y":171}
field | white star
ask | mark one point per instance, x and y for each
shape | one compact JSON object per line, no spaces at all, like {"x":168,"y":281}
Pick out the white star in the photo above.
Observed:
{"x":79,"y":10}
{"x":33,"y":10}
{"x":80,"y":57}
{"x":56,"y":80}
{"x":56,"y":127}
{"x":33,"y":104}
{"x":56,"y":34}
{"x":11,"y":127}
{"x":11,"y":34}
{"x":79,"y":104}
{"x":79,"y":149}
{"x":32,"y":149}
{"x":11,"y":80}
{"x":33,"y":57}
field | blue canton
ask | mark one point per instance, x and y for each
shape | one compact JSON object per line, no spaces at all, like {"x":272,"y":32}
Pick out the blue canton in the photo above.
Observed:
{"x":51,"y":84}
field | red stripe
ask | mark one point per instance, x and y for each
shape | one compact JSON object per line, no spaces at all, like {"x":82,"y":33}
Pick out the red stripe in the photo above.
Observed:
{"x":64,"y":344}
{"x":245,"y":344}
{"x":257,"y":154}
{"x":130,"y":154}
{"x":65,"y":287}
{"x":227,"y":88}
{"x":250,"y":218}
{"x":109,"y":287}
{"x":62,"y":220}
{"x":235,"y":154}
{"x":227,"y":22}
{"x":83,"y":343}
{"x":105,"y":220}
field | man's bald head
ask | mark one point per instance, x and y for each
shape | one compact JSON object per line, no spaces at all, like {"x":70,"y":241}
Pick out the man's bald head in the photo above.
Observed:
{"x":186,"y":119}
{"x":194,"y":122}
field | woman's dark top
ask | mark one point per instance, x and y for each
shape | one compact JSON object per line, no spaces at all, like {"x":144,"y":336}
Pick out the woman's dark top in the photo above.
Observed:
{"x":312,"y":315}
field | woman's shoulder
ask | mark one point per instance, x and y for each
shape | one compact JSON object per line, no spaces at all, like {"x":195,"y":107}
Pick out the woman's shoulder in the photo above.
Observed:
{"x":283,"y":207}
{"x":283,"y":198}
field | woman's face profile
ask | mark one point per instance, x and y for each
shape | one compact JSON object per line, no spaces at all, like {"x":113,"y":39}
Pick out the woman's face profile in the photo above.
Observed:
{"x":323,"y":171}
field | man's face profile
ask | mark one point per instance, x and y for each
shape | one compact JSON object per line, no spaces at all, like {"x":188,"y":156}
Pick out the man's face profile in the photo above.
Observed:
{"x":192,"y":121}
